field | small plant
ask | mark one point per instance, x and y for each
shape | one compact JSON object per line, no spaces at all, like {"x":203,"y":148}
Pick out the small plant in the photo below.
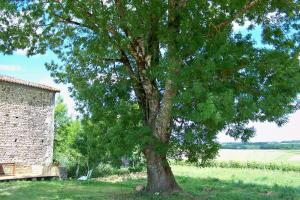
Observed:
{"x":104,"y":170}
{"x":157,"y":196}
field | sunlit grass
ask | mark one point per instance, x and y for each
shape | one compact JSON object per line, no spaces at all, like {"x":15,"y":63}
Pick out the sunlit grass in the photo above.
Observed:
{"x":207,"y":183}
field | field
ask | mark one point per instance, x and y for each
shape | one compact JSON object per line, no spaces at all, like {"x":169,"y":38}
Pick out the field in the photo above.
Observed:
{"x":215,"y":183}
{"x":278,"y":156}
{"x":204,"y":184}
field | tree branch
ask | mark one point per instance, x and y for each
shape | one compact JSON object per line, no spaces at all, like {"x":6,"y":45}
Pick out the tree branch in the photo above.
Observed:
{"x":163,"y":121}
{"x":225,"y":23}
{"x":145,"y":89}
{"x":67,"y":20}
{"x":137,"y":84}
{"x":136,"y":47}
{"x":239,"y":13}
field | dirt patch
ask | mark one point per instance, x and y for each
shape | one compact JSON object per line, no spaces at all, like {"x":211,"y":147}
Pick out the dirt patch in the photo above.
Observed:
{"x":121,"y":178}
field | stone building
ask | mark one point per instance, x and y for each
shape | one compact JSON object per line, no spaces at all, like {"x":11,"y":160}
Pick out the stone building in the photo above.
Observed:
{"x":26,"y":122}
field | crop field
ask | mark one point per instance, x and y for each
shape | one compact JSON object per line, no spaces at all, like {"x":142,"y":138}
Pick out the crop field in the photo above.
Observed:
{"x":239,"y":174}
{"x":274,"y":156}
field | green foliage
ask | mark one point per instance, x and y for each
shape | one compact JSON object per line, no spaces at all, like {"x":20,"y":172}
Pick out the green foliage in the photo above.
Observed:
{"x":87,"y":143}
{"x":113,"y":53}
{"x":103,"y":170}
{"x":136,"y":162}
{"x":61,"y":118}
{"x":78,"y":144}
{"x":66,"y":131}
{"x":61,"y":127}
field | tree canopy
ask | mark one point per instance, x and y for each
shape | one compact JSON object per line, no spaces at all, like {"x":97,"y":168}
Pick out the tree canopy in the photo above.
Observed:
{"x":165,"y":77}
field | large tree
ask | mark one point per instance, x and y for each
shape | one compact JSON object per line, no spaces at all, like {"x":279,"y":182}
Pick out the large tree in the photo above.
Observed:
{"x":165,"y":76}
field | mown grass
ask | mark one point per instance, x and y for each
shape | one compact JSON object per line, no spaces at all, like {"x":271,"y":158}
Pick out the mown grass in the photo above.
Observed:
{"x":247,"y":176}
{"x":207,"y":183}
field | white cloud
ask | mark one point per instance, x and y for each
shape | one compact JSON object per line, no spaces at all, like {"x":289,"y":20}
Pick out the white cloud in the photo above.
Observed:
{"x":268,"y":132}
{"x":64,"y":93}
{"x":237,"y":27}
{"x":10,"y":68}
{"x":21,"y":52}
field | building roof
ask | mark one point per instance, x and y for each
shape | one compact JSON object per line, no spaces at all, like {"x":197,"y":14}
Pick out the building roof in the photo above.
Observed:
{"x":9,"y":79}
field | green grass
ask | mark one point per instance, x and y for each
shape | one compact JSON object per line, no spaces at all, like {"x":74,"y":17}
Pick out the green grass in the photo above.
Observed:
{"x":204,"y":184}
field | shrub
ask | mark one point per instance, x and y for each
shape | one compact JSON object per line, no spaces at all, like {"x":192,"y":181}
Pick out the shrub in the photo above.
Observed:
{"x":104,"y":170}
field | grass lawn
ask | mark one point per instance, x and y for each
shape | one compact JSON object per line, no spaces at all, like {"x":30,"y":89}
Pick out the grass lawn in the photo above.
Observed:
{"x":207,"y":183}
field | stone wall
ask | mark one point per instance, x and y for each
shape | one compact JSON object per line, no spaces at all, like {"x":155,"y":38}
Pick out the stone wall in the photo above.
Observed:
{"x":26,"y":124}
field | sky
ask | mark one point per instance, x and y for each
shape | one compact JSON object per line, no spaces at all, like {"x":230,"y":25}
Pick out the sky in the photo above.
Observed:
{"x":33,"y":69}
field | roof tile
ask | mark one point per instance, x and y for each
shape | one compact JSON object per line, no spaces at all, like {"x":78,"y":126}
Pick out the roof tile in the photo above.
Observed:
{"x":9,"y":79}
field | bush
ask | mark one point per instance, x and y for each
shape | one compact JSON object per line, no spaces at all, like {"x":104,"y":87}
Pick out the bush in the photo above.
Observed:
{"x":70,"y":163}
{"x":136,"y":162}
{"x":104,"y":170}
{"x":138,"y":168}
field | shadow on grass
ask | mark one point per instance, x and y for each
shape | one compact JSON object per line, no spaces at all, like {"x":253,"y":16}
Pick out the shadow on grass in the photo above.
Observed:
{"x":194,"y":188}
{"x":213,"y":188}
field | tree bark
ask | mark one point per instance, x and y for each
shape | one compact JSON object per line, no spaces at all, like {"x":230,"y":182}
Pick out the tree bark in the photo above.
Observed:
{"x":159,"y":174}
{"x":156,"y":106}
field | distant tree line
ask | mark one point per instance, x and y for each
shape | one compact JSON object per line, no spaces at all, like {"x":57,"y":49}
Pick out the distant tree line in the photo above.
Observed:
{"x":293,"y":144}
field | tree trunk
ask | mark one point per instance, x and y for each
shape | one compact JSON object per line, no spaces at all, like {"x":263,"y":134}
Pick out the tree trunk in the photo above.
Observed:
{"x":159,"y":174}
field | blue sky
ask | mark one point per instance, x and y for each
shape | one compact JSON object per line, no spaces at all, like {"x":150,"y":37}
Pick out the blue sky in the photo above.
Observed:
{"x":33,"y":69}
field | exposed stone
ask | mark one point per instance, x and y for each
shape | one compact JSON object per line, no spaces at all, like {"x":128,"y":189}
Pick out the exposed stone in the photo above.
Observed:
{"x":139,"y":188}
{"x":26,"y":123}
